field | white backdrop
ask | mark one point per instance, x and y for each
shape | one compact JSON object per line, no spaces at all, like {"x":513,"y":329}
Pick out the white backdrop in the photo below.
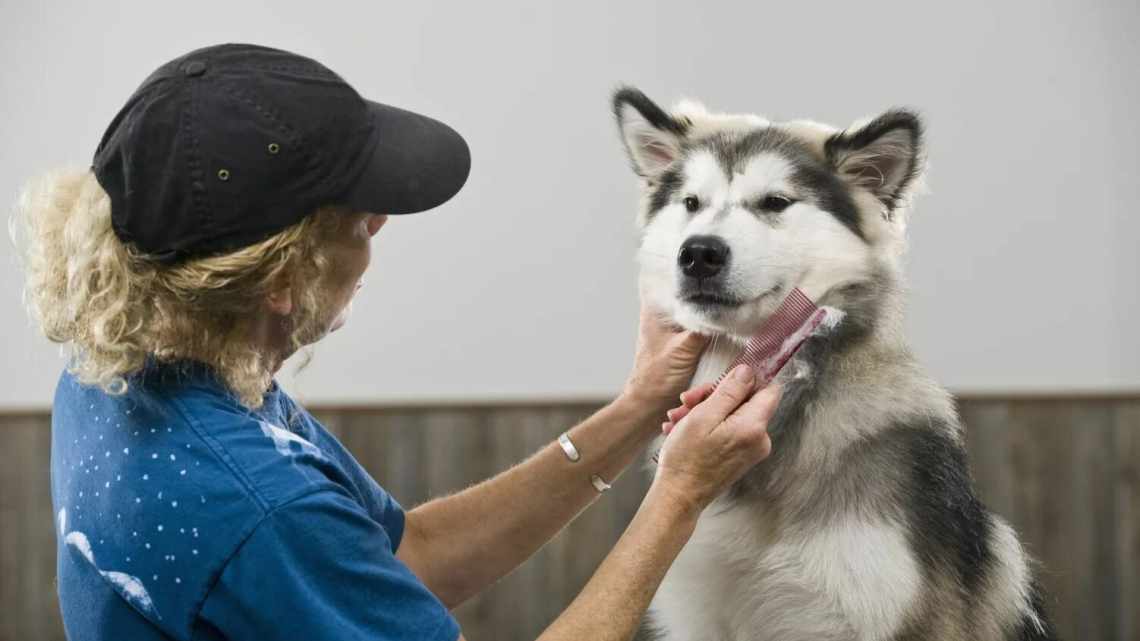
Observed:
{"x":1023,"y":260}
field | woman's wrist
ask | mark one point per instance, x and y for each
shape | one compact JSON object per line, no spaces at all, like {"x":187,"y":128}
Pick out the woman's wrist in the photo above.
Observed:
{"x":675,"y":508}
{"x":643,"y":412}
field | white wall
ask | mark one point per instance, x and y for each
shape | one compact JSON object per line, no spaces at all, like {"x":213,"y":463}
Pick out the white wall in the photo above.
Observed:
{"x":1023,"y":264}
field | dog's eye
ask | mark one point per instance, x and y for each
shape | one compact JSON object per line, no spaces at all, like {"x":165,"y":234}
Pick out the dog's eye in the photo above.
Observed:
{"x":692,"y":203}
{"x":775,"y":203}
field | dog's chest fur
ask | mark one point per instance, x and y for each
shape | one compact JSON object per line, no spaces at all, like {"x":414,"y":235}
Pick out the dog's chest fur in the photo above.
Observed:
{"x":795,"y":550}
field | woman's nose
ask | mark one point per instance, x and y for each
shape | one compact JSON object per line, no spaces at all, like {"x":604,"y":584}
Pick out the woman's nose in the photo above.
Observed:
{"x":375,"y":222}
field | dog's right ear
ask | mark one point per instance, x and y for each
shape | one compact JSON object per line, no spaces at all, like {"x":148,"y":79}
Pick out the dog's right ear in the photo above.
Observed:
{"x":652,"y":137}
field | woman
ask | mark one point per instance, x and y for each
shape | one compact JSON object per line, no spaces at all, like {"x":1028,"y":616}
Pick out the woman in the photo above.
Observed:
{"x":225,"y":223}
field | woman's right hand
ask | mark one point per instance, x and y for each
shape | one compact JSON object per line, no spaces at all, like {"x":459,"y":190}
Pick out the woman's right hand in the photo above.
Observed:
{"x":717,"y":440}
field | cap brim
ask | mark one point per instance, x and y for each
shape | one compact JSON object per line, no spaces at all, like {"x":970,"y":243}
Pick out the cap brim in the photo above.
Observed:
{"x":416,"y":163}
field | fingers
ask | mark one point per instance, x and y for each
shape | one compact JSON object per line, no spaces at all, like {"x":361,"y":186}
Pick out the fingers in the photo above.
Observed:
{"x":732,"y":391}
{"x":668,"y":426}
{"x":690,"y":398}
{"x":763,"y":448}
{"x":759,"y":400}
{"x":677,"y":413}
{"x":750,"y":420}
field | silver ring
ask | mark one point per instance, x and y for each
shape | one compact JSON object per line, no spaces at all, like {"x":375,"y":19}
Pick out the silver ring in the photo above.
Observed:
{"x":599,"y":484}
{"x":568,"y":448}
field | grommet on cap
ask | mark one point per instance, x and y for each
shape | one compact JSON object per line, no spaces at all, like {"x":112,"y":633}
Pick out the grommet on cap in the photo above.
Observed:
{"x":274,"y":147}
{"x":223,"y":174}
{"x":194,"y":68}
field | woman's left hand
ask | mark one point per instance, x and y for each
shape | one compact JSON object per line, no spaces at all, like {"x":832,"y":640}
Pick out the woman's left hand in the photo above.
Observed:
{"x":666,"y":359}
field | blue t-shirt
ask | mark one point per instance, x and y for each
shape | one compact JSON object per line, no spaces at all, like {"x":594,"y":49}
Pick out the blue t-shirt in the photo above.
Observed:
{"x":181,"y":514}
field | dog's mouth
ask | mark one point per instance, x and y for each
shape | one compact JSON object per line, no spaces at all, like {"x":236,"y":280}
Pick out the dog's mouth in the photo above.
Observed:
{"x":712,"y":301}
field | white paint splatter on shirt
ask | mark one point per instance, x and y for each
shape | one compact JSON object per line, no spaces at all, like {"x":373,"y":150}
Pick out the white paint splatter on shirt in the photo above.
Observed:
{"x":129,"y":587}
{"x":283,"y":438}
{"x":132,"y":590}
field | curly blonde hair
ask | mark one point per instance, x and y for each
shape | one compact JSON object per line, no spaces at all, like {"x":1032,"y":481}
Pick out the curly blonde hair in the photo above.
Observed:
{"x":112,"y":307}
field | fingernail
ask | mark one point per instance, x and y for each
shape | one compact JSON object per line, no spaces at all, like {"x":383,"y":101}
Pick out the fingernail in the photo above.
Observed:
{"x":665,"y":427}
{"x":670,"y":414}
{"x":743,"y":373}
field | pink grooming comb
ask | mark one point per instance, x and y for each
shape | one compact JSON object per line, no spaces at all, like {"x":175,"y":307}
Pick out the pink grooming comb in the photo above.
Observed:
{"x":779,"y":338}
{"x":769,"y":349}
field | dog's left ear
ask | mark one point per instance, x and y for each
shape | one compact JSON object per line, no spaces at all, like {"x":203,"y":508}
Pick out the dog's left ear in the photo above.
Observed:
{"x":652,"y":137}
{"x":883,"y":156}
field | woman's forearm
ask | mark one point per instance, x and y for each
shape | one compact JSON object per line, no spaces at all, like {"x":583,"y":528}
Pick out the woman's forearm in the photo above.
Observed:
{"x":462,"y":543}
{"x":612,"y":604}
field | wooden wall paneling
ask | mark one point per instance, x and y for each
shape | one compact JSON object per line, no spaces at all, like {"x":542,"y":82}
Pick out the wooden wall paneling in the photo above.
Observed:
{"x":27,"y":532}
{"x":1056,"y":492}
{"x":1126,"y":549}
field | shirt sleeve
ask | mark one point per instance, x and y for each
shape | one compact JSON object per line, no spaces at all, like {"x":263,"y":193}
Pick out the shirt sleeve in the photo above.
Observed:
{"x":319,"y":567}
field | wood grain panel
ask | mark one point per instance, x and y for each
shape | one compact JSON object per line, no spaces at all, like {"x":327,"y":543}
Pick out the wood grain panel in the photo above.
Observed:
{"x":27,"y":533}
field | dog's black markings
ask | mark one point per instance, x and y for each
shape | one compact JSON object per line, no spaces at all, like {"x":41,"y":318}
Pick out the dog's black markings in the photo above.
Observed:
{"x":653,"y":114}
{"x":664,"y":188}
{"x":947,"y":525}
{"x":665,"y":185}
{"x":831,"y":194}
{"x":809,"y":173}
{"x":648,"y":109}
{"x":816,"y":176}
{"x":897,"y":167}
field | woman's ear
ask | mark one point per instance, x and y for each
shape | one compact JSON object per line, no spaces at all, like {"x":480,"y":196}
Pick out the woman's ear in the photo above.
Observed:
{"x":883,"y":156}
{"x":280,"y":301}
{"x":652,"y":137}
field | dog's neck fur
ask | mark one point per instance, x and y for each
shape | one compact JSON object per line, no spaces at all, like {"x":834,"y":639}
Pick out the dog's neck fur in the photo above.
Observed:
{"x":854,"y":354}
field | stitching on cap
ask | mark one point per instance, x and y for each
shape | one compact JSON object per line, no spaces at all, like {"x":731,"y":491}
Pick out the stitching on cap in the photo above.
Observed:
{"x":194,"y":162}
{"x":295,"y":137}
{"x":295,"y":66}
{"x":269,"y":113}
{"x":146,"y":97}
{"x":312,"y":155}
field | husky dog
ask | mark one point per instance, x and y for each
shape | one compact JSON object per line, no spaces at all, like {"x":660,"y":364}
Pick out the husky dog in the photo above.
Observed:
{"x":863,"y":523}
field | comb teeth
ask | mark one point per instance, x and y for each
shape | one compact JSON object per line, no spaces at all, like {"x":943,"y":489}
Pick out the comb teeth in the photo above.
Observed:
{"x":778,"y":339}
{"x":795,"y":310}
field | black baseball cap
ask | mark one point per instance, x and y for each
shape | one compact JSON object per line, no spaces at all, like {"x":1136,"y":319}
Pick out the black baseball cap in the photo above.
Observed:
{"x":227,"y":145}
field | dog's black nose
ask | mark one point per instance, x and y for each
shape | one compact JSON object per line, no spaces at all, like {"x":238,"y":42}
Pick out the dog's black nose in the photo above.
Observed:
{"x":702,"y":256}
